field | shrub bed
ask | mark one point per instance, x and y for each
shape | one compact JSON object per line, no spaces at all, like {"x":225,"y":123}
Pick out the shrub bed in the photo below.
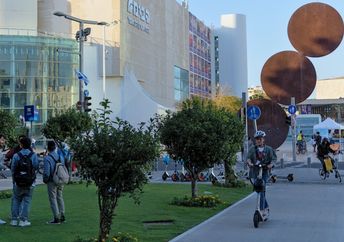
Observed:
{"x":206,"y":201}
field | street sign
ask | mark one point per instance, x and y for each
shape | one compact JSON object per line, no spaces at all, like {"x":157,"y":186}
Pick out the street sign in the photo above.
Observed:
{"x":29,"y":112}
{"x":253,"y":112}
{"x":86,"y":93}
{"x":292,"y":109}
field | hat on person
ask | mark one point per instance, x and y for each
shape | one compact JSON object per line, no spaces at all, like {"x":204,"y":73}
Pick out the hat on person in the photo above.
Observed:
{"x":259,"y":134}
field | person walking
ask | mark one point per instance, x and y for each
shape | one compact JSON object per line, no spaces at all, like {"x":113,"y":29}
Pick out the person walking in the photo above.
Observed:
{"x":318,"y":139}
{"x":261,"y":154}
{"x":23,"y":167}
{"x":2,"y":160}
{"x":55,"y":192}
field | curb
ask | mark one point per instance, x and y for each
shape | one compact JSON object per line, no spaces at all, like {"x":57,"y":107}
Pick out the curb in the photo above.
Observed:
{"x":176,"y":239}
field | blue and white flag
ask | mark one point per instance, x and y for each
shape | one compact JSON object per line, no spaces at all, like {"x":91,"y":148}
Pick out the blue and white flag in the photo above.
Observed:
{"x":82,"y":77}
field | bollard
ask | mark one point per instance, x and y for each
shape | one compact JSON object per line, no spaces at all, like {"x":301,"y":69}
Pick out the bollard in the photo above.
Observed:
{"x":309,"y":162}
{"x":282,"y":163}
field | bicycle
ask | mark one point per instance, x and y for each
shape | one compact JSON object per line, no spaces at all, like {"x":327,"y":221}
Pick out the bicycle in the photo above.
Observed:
{"x":330,"y":167}
{"x":301,"y":147}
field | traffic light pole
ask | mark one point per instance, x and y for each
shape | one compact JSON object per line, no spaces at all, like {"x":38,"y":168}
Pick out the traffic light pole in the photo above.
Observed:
{"x":81,"y":64}
{"x":293,"y":135}
{"x":244,"y":115}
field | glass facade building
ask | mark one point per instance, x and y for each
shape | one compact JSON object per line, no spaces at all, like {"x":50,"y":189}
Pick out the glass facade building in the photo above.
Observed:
{"x":200,"y":58}
{"x":39,"y":71}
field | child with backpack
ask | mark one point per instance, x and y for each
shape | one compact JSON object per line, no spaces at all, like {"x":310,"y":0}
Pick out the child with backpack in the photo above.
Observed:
{"x":55,"y":175}
{"x":23,"y":167}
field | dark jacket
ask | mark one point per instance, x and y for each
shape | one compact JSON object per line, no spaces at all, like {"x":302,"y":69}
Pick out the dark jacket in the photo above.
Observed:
{"x":268,"y":157}
{"x":324,"y":149}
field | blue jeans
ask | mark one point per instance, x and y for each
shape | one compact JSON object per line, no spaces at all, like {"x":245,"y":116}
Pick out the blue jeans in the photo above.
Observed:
{"x":21,"y":202}
{"x":263,"y":203}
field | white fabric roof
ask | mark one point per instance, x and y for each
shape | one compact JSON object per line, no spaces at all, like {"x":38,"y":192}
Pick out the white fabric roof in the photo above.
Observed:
{"x":328,"y":124}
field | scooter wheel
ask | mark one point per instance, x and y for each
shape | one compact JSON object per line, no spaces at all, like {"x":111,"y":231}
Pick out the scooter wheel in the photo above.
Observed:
{"x":290,"y":177}
{"x":256,"y":219}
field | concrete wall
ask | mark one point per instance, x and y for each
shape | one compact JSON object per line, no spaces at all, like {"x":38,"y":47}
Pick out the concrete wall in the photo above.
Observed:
{"x":47,"y":22}
{"x":233,"y":54}
{"x":150,"y":47}
{"x":18,"y":14}
{"x":330,"y":88}
{"x":153,"y":54}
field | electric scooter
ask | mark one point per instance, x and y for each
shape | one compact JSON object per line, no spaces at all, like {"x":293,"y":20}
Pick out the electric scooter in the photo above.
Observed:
{"x":259,"y":187}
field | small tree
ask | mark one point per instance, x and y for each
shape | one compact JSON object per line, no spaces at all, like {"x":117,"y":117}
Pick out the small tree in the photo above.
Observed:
{"x":68,"y":124}
{"x":201,"y":134}
{"x":8,"y":126}
{"x":114,"y":155}
{"x":231,"y":104}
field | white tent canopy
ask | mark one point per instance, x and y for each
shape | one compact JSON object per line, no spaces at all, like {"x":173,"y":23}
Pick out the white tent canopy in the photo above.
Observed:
{"x":328,"y":124}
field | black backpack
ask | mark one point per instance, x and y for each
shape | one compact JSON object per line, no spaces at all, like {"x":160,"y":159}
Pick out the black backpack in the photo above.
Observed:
{"x":24,"y":173}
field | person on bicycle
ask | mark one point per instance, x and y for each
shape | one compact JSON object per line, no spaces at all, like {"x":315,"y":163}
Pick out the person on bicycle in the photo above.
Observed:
{"x":323,"y":150}
{"x":261,"y":154}
{"x":300,"y":140}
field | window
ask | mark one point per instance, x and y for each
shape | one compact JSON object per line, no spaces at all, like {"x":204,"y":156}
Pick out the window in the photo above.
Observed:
{"x":181,"y":84}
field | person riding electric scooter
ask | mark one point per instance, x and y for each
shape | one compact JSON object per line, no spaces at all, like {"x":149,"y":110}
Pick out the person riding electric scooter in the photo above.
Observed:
{"x":265,"y":156}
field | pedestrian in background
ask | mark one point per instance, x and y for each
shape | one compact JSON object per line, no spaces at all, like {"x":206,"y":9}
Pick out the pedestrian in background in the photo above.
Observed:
{"x":23,"y":167}
{"x":55,"y":192}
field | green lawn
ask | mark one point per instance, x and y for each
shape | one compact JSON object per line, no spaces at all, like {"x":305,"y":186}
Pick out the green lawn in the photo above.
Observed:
{"x":82,"y":213}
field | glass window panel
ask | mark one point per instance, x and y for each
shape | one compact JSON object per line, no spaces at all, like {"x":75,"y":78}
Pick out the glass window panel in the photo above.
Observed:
{"x":21,"y":85}
{"x":177,"y":84}
{"x":64,"y":70}
{"x":5,"y":100}
{"x":5,"y":83}
{"x":176,"y":72}
{"x":5,"y":68}
{"x":20,"y":100}
{"x":5,"y":53}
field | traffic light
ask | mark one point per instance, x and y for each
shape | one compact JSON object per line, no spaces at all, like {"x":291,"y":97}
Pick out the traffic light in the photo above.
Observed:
{"x":87,"y":104}
{"x":78,"y":105}
{"x":288,"y":120}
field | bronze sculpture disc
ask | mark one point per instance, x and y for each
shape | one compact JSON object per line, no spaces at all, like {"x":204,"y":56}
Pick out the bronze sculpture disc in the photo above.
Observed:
{"x":315,"y":29}
{"x":271,"y":121}
{"x":288,"y":74}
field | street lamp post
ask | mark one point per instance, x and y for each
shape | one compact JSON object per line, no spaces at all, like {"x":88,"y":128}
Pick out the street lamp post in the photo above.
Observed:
{"x":81,"y":46}
{"x":105,"y":24}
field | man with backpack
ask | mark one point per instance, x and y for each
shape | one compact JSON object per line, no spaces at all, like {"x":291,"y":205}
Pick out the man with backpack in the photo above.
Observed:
{"x":23,"y":167}
{"x":55,"y":175}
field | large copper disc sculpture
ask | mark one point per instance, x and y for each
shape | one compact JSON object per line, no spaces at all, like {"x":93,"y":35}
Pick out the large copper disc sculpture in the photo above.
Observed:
{"x":271,"y":121}
{"x":288,"y":74}
{"x":315,"y":29}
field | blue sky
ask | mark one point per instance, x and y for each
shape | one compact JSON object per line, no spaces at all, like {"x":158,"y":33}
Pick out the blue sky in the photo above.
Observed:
{"x":267,"y":22}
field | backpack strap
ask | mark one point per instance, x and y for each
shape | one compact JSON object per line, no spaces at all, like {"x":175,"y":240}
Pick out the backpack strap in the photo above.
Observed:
{"x":21,"y":155}
{"x":56,"y":161}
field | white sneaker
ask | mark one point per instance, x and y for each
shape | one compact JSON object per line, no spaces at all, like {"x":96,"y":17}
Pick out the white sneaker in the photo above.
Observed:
{"x":24,"y":223}
{"x":14,"y":223}
{"x":2,"y":221}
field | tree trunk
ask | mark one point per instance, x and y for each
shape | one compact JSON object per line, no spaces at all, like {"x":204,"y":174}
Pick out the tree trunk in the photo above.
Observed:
{"x":107,"y":204}
{"x":230,"y":178}
{"x":193,"y":186}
